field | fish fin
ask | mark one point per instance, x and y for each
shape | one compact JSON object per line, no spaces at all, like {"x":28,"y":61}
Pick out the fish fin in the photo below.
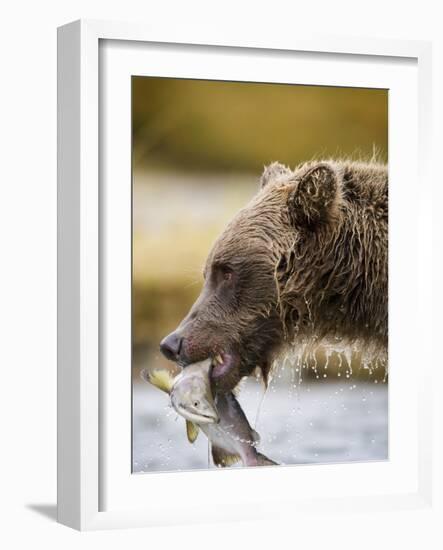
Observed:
{"x":191,"y":431}
{"x":222,"y":459}
{"x":263,"y":460}
{"x":160,"y":378}
{"x":255,"y":436}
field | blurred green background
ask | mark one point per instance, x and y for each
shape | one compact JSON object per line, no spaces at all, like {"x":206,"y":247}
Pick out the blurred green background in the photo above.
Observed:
{"x":199,"y":148}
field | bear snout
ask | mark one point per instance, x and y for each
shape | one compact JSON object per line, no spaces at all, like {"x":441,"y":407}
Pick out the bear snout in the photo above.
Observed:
{"x":171,"y":345}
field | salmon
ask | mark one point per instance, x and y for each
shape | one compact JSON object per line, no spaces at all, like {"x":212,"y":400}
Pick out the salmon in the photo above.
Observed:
{"x":219,"y":416}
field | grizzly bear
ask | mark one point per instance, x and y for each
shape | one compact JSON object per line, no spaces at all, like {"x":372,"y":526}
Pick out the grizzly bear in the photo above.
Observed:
{"x":304,"y":263}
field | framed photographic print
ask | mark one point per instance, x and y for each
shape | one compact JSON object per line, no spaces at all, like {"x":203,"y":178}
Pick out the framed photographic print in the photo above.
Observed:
{"x":239,"y":272}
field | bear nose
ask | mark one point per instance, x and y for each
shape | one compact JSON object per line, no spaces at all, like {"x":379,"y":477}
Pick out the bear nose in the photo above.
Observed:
{"x":170,"y":346}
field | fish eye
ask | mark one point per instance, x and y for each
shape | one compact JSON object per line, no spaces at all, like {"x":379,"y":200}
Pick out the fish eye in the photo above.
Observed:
{"x":196,"y":403}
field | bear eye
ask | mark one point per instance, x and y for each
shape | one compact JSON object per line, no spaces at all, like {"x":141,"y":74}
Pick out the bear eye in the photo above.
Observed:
{"x":223,"y":273}
{"x":226,"y":272}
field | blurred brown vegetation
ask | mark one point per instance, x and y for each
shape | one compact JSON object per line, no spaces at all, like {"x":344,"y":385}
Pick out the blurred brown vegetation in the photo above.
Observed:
{"x":231,"y":126}
{"x":198,"y":151}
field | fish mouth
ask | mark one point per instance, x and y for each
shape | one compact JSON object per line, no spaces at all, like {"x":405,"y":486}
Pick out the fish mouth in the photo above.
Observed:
{"x":197,"y":418}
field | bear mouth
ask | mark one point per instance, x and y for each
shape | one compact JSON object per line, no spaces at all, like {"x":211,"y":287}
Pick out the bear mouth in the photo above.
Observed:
{"x":223,"y":363}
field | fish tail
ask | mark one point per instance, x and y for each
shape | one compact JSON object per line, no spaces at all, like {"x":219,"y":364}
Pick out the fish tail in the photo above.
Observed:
{"x":160,"y":378}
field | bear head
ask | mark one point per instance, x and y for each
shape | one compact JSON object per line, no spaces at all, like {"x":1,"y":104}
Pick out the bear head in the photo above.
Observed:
{"x":284,"y":268}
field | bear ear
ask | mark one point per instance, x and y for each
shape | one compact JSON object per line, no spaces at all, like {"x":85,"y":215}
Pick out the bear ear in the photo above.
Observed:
{"x":273,"y":173}
{"x":314,"y":199}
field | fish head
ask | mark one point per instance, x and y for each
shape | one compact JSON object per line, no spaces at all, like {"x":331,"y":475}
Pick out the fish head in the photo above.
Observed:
{"x":191,"y":395}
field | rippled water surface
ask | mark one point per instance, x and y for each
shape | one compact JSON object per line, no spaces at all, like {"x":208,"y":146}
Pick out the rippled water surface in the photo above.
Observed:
{"x":313,"y":422}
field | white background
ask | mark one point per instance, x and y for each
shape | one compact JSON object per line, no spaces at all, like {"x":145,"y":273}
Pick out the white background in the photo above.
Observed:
{"x":28,"y":274}
{"x":120,"y":489}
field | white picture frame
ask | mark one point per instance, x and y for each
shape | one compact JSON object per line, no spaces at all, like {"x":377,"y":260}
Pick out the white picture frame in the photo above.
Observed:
{"x":95,"y":491}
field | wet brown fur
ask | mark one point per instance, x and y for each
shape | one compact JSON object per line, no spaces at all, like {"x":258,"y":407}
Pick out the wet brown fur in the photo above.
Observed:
{"x":309,"y":255}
